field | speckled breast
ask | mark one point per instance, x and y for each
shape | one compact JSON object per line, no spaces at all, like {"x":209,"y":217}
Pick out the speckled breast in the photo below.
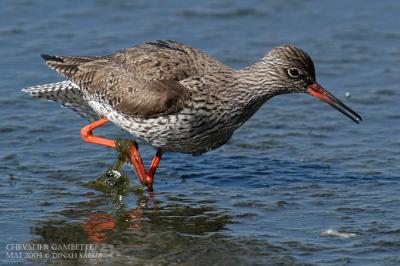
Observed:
{"x":190,"y":131}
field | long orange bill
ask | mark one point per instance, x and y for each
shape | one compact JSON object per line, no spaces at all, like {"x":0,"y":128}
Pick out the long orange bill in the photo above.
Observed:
{"x":319,"y":92}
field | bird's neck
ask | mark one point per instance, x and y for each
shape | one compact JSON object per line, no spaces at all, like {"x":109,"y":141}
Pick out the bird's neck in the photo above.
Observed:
{"x":254,"y":87}
{"x":261,"y":79}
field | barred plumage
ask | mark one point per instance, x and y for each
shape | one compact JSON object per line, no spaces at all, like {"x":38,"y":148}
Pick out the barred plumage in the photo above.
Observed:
{"x":171,"y":95}
{"x":66,"y":93}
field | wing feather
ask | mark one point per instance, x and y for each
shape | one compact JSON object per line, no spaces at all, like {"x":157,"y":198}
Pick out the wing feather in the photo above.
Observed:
{"x":141,"y":81}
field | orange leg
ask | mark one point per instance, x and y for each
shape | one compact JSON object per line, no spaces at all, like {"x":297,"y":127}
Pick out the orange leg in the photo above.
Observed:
{"x":87,"y":135}
{"x":146,"y":178}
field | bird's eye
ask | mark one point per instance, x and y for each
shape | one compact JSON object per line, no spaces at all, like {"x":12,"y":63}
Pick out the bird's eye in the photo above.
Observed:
{"x":294,"y":72}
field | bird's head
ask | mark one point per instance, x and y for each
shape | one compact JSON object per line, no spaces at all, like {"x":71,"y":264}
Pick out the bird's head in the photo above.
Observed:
{"x":292,"y":71}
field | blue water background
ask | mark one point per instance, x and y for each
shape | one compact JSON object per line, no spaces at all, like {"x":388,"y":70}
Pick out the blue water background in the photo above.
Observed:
{"x":295,"y":170}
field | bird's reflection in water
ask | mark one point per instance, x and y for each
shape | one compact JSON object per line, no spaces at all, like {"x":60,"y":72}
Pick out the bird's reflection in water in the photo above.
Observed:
{"x":158,"y":219}
{"x":151,"y":228}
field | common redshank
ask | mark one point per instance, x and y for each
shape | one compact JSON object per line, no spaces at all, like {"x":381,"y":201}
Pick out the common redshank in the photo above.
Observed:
{"x":176,"y":97}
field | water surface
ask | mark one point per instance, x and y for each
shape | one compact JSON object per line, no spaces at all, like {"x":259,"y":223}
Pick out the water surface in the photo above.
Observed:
{"x":298,"y":183}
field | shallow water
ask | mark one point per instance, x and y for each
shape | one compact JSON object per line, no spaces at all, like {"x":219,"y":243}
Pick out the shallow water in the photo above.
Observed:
{"x":298,"y":183}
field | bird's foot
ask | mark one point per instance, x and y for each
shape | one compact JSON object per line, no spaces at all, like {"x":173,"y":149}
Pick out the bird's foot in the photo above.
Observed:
{"x":128,"y":150}
{"x":145,"y":177}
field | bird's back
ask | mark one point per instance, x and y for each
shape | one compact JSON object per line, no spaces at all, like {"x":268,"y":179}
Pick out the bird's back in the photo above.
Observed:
{"x":158,"y":91}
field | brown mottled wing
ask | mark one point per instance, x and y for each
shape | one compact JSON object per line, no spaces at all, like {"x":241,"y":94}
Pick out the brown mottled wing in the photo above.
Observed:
{"x":160,"y":60}
{"x":141,"y":81}
{"x":152,"y":98}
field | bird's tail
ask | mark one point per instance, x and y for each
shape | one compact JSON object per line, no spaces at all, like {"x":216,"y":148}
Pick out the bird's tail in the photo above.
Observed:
{"x":67,"y":93}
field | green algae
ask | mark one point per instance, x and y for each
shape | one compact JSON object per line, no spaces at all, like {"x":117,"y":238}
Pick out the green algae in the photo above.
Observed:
{"x":114,"y":180}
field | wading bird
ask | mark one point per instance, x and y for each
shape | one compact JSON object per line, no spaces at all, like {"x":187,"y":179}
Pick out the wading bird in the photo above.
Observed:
{"x":175,"y":97}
